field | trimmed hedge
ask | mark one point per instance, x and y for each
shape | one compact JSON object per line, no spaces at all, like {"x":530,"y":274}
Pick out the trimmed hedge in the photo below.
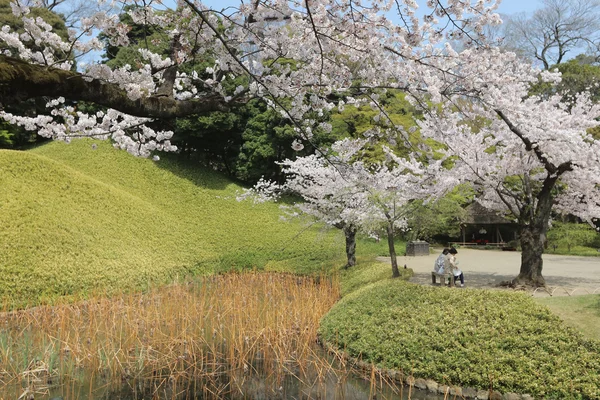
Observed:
{"x":470,"y":338}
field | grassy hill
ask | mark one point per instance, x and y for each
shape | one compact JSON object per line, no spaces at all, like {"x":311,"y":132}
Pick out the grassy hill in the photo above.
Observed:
{"x":75,"y":219}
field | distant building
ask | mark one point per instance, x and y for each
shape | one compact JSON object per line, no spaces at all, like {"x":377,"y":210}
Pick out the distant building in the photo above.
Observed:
{"x":483,"y":226}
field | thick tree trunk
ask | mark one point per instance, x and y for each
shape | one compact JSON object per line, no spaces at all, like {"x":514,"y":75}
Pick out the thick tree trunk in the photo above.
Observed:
{"x":533,"y":237}
{"x":532,"y":248}
{"x":535,"y":208}
{"x":392,"y":248}
{"x":350,"y":233}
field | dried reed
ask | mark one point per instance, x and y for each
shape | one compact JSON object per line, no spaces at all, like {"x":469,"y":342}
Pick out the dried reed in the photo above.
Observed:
{"x":227,"y":335}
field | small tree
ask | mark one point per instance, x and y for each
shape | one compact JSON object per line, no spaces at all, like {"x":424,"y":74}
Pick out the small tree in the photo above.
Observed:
{"x":571,"y":234}
{"x":341,"y":190}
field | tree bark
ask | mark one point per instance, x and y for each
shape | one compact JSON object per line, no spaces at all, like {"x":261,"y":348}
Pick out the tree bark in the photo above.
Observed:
{"x":532,"y":248}
{"x":532,"y":234}
{"x":534,"y":210}
{"x":392,"y":248}
{"x":20,"y":81}
{"x":350,"y":233}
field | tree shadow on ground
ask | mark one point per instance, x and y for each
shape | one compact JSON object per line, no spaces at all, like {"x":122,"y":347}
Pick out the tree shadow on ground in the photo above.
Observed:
{"x":193,"y":171}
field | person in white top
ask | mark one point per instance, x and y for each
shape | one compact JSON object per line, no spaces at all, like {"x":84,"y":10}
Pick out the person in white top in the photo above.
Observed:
{"x":451,"y":265}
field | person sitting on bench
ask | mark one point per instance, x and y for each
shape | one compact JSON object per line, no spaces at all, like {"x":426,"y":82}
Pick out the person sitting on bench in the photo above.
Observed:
{"x":451,"y":265}
{"x":439,"y":267}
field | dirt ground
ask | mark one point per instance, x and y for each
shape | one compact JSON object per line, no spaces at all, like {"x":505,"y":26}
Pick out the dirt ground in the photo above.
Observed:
{"x":565,"y":275}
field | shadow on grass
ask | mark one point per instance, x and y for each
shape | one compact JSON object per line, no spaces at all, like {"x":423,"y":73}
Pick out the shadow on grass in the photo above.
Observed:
{"x":195,"y":172}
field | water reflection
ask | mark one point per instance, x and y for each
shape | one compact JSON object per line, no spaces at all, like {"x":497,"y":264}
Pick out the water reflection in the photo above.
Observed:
{"x":337,"y":384}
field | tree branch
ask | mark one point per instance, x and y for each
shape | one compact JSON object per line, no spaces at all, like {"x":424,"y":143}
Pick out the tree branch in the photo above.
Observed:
{"x":20,"y":80}
{"x":551,"y":168}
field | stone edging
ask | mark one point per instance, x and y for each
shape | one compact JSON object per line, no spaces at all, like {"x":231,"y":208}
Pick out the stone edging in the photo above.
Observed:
{"x":425,"y":384}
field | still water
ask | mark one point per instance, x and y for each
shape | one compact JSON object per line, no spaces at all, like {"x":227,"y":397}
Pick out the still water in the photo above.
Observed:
{"x":343,"y":384}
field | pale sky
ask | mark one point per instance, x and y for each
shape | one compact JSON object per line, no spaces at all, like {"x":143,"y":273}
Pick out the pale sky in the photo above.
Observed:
{"x":518,"y":6}
{"x":506,"y":7}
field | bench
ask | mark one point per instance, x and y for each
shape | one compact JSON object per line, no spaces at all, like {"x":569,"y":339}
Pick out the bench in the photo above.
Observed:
{"x":442,"y":277}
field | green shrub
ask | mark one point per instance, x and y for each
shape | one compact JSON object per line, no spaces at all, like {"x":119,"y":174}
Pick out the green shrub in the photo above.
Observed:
{"x":472,"y":338}
{"x":368,"y":272}
{"x":573,"y":238}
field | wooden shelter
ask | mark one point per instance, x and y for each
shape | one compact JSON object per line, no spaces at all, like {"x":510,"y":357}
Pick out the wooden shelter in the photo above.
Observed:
{"x":486,"y":227}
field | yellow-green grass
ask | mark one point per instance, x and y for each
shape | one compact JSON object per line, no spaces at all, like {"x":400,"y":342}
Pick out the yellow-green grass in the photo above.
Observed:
{"x":576,"y":250}
{"x":367,"y":272}
{"x":74,"y":219}
{"x":580,"y":312}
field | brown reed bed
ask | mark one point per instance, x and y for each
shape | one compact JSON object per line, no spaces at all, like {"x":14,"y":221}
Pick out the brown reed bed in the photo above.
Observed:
{"x":224,"y":336}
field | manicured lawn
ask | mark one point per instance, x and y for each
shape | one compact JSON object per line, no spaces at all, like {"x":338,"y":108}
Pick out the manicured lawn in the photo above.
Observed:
{"x":580,"y":312}
{"x":75,"y":220}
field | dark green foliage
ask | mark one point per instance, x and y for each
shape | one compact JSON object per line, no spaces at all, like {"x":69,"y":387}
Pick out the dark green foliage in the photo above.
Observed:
{"x":578,"y":75}
{"x":440,"y":219}
{"x":267,"y":138}
{"x":140,"y":36}
{"x":195,"y":137}
{"x":573,"y":238}
{"x":15,"y":137}
{"x":6,"y":138}
{"x":476,"y":338}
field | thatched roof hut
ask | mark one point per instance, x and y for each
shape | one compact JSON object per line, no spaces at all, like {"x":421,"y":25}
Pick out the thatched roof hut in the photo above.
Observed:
{"x":485,"y":226}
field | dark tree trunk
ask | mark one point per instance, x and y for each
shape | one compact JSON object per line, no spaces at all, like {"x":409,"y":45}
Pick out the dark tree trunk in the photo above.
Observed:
{"x":534,"y":208}
{"x":392,"y":248}
{"x":532,"y":248}
{"x":533,"y":237}
{"x":350,"y":233}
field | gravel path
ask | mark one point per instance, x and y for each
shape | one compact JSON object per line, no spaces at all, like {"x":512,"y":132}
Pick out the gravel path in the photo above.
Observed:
{"x":565,"y":275}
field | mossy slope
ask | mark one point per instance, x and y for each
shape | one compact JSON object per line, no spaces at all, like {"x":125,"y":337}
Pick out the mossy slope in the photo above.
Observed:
{"x":75,"y":219}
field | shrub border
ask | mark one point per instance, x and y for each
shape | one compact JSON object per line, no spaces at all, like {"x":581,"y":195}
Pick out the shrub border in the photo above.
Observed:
{"x":429,"y":385}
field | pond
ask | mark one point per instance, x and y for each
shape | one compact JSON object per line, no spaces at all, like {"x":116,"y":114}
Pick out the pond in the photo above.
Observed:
{"x":229,"y":336}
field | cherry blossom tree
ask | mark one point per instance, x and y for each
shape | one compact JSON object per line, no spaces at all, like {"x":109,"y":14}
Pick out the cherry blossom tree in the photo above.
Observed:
{"x":344,"y":189}
{"x":333,"y":43}
{"x":329,"y":190}
{"x":527,"y":156}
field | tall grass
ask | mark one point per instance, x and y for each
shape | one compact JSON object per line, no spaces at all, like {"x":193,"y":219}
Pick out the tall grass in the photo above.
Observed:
{"x":221,"y":336}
